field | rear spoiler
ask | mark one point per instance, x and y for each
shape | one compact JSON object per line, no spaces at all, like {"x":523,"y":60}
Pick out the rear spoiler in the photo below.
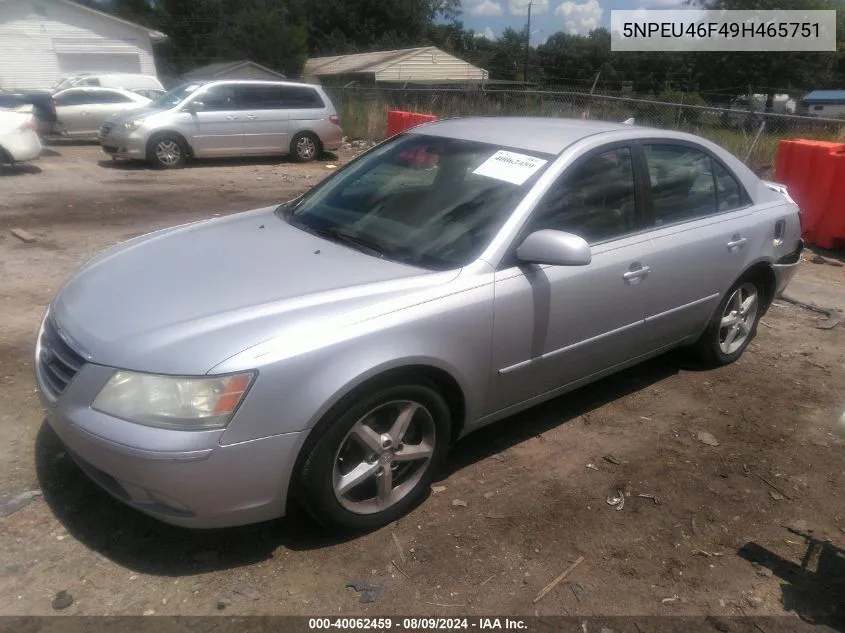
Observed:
{"x":781,"y":189}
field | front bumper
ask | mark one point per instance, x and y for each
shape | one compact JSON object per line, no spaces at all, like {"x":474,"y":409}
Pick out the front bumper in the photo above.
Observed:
{"x":185,"y":478}
{"x":122,"y":144}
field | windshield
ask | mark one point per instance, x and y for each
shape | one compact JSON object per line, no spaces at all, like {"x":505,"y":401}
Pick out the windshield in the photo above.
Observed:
{"x":64,"y":83}
{"x":176,"y":96}
{"x":426,"y":201}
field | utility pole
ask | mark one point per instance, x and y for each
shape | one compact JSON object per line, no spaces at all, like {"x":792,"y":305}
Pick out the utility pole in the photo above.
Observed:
{"x":527,"y":44}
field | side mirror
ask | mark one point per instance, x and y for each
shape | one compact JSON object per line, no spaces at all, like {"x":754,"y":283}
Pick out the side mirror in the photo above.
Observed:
{"x":556,"y":248}
{"x":195,"y":106}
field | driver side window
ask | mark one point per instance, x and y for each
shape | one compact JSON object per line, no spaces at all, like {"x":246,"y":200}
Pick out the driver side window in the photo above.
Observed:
{"x":219,"y":98}
{"x":594,"y":199}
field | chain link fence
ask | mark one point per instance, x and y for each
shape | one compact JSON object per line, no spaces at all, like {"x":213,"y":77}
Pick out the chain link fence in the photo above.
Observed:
{"x":752,"y":136}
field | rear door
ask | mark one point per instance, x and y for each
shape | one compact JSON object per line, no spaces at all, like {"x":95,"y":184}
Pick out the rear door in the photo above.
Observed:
{"x":703,"y":235}
{"x":266,"y":119}
{"x":215,"y":124}
{"x":72,"y":107}
{"x":307,"y":111}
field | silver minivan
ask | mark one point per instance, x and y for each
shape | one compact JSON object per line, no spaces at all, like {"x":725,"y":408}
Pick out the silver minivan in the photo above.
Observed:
{"x":226,"y":118}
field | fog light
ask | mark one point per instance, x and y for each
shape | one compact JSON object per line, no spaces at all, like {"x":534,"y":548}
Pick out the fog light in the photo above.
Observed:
{"x":167,"y":502}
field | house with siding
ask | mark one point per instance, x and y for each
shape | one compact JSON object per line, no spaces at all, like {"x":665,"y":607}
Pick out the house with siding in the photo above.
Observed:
{"x":43,"y":41}
{"x":427,"y":66}
{"x":825,"y":103}
{"x":244,"y":69}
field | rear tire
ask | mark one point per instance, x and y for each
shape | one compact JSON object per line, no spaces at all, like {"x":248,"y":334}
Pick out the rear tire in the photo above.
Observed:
{"x":167,"y":151}
{"x":396,"y":456}
{"x":733,"y":326}
{"x":305,"y":147}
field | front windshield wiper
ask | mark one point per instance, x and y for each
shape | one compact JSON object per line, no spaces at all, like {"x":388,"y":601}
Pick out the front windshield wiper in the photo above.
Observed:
{"x":351,"y":239}
{"x":332,"y":233}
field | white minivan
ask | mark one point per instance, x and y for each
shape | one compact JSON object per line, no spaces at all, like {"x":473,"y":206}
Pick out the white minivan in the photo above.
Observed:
{"x":125,"y":81}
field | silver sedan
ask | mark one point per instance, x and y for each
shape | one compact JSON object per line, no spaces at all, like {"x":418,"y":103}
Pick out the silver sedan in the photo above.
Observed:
{"x":81,"y":111}
{"x":331,"y":348}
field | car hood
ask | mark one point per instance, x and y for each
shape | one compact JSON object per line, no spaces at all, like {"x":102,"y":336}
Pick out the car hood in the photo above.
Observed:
{"x":136,"y":113}
{"x":182,"y":300}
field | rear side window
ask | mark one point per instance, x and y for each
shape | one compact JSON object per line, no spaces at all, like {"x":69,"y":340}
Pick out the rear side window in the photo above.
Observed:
{"x":301,"y":97}
{"x":71,"y":98}
{"x":106,"y":96}
{"x":729,"y":194}
{"x":682,"y":183}
{"x":261,"y":97}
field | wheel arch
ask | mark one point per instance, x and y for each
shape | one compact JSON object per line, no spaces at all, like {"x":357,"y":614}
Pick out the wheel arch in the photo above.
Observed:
{"x":416,"y":369}
{"x":308,"y":132}
{"x":763,"y":272}
{"x":171,"y":132}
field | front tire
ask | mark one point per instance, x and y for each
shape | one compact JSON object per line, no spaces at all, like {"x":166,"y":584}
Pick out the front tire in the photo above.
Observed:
{"x":733,"y":326}
{"x":167,"y":151}
{"x":374,"y":460}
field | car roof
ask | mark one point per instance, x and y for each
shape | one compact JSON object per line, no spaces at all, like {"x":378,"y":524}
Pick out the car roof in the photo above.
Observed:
{"x":536,"y":134}
{"x":263,"y":82}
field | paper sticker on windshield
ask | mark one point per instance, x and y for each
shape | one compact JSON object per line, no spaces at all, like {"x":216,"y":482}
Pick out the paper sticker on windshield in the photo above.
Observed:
{"x":510,"y":167}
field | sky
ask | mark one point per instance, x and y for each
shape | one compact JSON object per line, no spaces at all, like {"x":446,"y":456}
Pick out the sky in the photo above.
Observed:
{"x":490,"y":17}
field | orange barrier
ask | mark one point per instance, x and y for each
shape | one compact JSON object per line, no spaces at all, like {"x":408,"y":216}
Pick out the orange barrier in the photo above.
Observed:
{"x":399,"y":121}
{"x":814,"y":171}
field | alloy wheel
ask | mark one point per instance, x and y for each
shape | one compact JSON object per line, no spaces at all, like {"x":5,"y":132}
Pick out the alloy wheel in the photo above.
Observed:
{"x":306,"y":148}
{"x":738,"y":318}
{"x":168,"y":152}
{"x":383,"y":456}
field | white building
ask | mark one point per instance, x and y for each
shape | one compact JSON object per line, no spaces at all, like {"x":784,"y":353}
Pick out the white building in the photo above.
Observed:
{"x":42,"y":41}
{"x":427,"y":65}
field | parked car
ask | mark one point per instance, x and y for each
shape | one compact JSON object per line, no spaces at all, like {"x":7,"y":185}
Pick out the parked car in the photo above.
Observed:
{"x":227,"y":118}
{"x":330,"y":349}
{"x":81,"y":111}
{"x":41,"y":103}
{"x":19,"y":140}
{"x":126,"y":81}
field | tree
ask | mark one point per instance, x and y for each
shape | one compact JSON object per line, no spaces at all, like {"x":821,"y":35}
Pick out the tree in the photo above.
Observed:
{"x":768,"y":72}
{"x":263,"y":32}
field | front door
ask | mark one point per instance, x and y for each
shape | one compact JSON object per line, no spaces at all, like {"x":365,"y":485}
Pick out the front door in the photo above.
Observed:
{"x":215,"y":123}
{"x":556,"y":325}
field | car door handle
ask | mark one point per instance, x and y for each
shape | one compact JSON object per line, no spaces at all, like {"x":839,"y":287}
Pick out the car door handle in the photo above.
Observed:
{"x":231,"y":117}
{"x":736,"y":242}
{"x":633,"y":276}
{"x":251,"y":117}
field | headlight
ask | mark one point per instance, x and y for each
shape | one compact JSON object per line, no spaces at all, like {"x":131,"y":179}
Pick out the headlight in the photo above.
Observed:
{"x":133,"y":125}
{"x":173,"y":402}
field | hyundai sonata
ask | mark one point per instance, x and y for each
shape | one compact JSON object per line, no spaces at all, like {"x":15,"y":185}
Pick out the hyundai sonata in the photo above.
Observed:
{"x":331,"y":348}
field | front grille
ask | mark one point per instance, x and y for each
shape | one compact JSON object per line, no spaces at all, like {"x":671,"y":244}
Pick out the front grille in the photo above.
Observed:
{"x":57,"y":363}
{"x":105,"y":128}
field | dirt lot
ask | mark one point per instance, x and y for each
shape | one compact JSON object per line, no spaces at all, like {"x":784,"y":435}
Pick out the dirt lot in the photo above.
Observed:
{"x":535,"y":485}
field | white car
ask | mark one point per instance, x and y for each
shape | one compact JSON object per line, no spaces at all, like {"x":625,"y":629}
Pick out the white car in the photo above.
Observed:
{"x":18,"y":138}
{"x":81,"y":111}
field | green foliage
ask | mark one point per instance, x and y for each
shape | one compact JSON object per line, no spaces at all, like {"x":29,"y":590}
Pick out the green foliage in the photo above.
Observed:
{"x":282,"y":33}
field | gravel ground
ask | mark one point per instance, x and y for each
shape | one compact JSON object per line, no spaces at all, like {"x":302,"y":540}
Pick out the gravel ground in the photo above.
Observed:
{"x":733,"y":456}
